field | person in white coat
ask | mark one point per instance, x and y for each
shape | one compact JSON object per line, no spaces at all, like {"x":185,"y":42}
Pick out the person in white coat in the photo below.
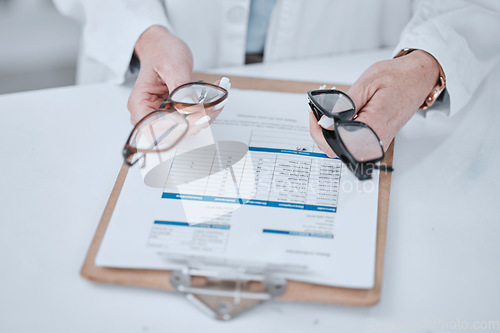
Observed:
{"x":450,"y":39}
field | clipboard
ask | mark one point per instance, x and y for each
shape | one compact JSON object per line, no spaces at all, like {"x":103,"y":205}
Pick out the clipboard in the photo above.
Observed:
{"x":225,"y":297}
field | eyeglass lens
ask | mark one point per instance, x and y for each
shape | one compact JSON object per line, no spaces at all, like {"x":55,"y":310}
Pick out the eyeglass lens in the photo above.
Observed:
{"x":334,"y":103}
{"x":197,"y":94}
{"x":360,"y":141}
{"x":159,"y":131}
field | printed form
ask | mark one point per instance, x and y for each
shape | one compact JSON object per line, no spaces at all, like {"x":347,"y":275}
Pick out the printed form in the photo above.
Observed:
{"x":252,"y":189}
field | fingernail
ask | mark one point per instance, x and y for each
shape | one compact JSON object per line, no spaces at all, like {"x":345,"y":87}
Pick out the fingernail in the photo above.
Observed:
{"x":333,"y":87}
{"x":202,"y":120}
{"x":225,"y":83}
{"x":220,"y":105}
{"x":325,"y":122}
{"x":322,"y":87}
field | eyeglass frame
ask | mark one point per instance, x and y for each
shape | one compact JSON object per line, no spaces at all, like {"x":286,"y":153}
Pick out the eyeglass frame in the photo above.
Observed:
{"x":168,"y":106}
{"x":361,"y":169}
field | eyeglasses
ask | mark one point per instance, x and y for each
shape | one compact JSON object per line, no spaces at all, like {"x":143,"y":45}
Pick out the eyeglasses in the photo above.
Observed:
{"x":354,"y":142}
{"x":165,"y":127}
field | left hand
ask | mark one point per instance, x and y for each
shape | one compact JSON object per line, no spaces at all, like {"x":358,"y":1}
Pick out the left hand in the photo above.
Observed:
{"x":387,"y":95}
{"x":166,"y":63}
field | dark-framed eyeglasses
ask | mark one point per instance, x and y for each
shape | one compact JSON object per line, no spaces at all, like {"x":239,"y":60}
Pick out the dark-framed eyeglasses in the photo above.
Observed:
{"x":355,"y":143}
{"x":165,"y":127}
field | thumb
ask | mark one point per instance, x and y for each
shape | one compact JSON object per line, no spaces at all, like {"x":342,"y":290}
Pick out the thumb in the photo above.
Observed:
{"x":175,"y":77}
{"x":360,"y":94}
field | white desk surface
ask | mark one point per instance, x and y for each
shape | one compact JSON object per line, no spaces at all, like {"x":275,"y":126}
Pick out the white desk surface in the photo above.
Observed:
{"x":61,"y":154}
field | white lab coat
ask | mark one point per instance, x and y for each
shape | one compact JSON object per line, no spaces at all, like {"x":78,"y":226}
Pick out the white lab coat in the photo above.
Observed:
{"x":459,"y":34}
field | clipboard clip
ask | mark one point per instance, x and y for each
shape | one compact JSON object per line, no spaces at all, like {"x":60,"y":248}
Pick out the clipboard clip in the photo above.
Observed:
{"x":223,"y":292}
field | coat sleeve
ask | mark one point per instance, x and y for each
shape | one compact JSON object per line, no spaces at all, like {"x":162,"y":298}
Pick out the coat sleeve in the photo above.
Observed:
{"x":463,"y":36}
{"x":110,"y":31}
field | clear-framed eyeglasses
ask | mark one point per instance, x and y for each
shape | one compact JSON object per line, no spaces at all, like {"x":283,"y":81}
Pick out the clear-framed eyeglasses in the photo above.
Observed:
{"x":165,"y":127}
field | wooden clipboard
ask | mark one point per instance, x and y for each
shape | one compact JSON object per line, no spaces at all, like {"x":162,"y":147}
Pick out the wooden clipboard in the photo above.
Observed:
{"x":296,"y":291}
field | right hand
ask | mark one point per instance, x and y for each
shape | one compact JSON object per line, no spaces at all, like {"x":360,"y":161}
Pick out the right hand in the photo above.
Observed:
{"x":166,"y":63}
{"x":387,"y":95}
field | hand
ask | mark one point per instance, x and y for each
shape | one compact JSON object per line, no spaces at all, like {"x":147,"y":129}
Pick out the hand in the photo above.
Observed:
{"x":387,"y":95}
{"x":166,"y":63}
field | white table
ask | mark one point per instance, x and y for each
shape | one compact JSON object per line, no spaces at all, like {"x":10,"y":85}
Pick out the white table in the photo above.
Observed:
{"x":61,"y":154}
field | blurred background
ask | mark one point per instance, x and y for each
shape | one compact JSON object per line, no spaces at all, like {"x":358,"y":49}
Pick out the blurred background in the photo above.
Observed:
{"x":38,"y":46}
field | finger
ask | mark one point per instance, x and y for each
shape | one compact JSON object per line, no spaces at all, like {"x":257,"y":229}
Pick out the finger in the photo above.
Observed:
{"x":201,"y":117}
{"x":327,"y":123}
{"x":382,"y":116}
{"x":384,"y":131}
{"x":212,"y":114}
{"x":226,"y":84}
{"x":146,"y":96}
{"x":174,"y":76}
{"x":214,"y":111}
{"x":360,"y":93}
{"x":151,"y":89}
{"x":317,"y":135}
{"x":198,"y":116}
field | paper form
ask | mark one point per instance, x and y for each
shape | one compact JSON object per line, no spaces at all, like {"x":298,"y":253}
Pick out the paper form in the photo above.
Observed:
{"x":252,"y":188}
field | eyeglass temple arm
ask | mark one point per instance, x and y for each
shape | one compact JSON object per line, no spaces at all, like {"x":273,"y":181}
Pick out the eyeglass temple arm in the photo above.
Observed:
{"x":384,"y":167}
{"x":163,"y":136}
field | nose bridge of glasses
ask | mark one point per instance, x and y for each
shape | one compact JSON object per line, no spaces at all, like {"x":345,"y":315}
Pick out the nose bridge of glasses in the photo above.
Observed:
{"x":166,"y":105}
{"x":183,"y":108}
{"x":346,"y":115}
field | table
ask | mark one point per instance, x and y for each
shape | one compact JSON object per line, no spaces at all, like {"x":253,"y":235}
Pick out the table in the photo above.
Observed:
{"x":61,"y":154}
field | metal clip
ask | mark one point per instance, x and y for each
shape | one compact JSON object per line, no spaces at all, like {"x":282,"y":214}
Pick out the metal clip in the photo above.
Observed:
{"x":223,"y":294}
